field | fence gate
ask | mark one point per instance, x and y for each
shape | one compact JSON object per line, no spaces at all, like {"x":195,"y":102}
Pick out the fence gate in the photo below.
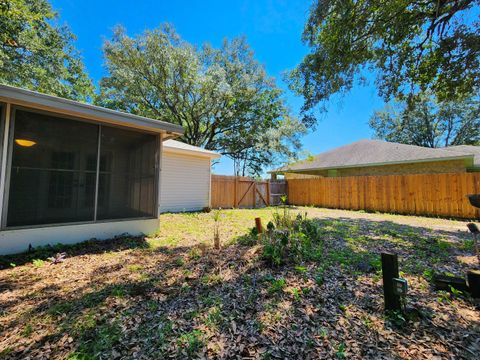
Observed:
{"x":239,"y":192}
{"x":278,"y":188}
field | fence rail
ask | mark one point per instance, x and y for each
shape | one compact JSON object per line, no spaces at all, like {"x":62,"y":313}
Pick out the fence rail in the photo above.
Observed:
{"x":432,"y":194}
{"x":239,"y":192}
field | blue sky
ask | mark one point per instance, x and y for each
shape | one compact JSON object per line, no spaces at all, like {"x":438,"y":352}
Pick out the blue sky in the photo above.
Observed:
{"x":273,"y":30}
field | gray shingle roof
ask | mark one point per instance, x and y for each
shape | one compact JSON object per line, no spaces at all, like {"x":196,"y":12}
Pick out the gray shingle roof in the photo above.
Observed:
{"x":373,"y":152}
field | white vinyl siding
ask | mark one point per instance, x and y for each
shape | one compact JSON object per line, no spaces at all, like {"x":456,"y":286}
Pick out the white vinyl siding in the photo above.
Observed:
{"x":185,"y":182}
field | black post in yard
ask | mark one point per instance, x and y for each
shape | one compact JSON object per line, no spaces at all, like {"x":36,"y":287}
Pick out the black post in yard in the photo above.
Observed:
{"x":389,"y":272}
{"x":473,"y":277}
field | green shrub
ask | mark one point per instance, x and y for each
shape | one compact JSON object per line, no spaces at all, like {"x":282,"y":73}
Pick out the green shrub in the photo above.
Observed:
{"x":290,"y":238}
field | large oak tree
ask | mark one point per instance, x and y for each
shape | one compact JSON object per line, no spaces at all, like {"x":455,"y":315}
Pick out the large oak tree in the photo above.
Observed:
{"x":222,"y":97}
{"x":412,"y":46}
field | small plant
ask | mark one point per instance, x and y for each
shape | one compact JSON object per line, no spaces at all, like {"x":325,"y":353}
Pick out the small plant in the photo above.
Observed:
{"x":195,"y":253}
{"x":191,"y":342}
{"x":134,"y":267}
{"x":99,"y":337}
{"x":118,"y":291}
{"x":297,"y":293}
{"x":212,"y":279}
{"x":301,"y":269}
{"x":58,"y":258}
{"x":319,"y":280}
{"x":216,"y":233}
{"x":428,"y":274}
{"x":277,"y":286}
{"x":179,"y":261}
{"x":455,"y":292}
{"x":397,"y":318}
{"x":214,"y":317}
{"x":27,"y":331}
{"x":322,"y":332}
{"x":340,"y":353}
{"x":444,"y":297}
{"x":38,"y":262}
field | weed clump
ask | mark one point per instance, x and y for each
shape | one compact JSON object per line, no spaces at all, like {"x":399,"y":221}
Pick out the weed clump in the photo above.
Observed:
{"x":290,"y":238}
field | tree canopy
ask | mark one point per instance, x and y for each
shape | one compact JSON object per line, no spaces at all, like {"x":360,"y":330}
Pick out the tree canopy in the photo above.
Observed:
{"x":426,"y":122}
{"x":412,"y":46}
{"x":37,"y":55}
{"x":222,"y":97}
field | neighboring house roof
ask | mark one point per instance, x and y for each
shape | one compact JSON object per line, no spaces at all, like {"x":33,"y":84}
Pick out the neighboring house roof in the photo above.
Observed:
{"x":180,"y":147}
{"x":373,"y":153}
{"x":467,"y":149}
{"x":56,"y":104}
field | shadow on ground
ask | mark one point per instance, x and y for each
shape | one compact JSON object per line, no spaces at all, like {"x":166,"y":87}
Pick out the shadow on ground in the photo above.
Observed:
{"x":122,"y":299}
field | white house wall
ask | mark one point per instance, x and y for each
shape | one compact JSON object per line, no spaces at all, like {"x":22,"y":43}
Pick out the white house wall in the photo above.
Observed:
{"x":185,"y":182}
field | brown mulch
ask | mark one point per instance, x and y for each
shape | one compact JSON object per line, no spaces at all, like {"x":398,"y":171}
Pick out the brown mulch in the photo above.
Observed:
{"x":187,"y":302}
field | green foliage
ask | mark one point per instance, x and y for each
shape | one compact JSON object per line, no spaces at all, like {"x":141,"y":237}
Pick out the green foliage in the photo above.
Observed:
{"x":297,"y":293}
{"x":277,"y":286}
{"x":97,"y":336}
{"x":222,"y":97}
{"x":191,"y":342}
{"x":214,"y":317}
{"x":455,"y":292}
{"x":397,"y":318}
{"x":340,"y":353}
{"x":135,"y":267}
{"x":38,"y":262}
{"x":428,"y":274}
{"x":423,"y":121}
{"x":292,"y":239}
{"x":412,"y":46}
{"x":38,"y":55}
{"x":27,"y":331}
{"x":194,"y":253}
{"x":301,"y":269}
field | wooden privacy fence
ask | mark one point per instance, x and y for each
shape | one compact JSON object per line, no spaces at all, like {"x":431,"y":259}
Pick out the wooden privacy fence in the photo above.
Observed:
{"x":239,"y":192}
{"x":429,"y":194}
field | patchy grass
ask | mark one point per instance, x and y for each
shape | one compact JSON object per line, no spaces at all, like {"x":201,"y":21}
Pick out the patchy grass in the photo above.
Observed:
{"x":171,"y":295}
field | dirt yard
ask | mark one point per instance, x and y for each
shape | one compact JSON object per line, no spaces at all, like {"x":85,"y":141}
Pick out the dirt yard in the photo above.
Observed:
{"x":171,"y":295}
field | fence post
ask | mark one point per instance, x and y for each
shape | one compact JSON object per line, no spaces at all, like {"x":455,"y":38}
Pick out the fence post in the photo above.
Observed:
{"x":254,"y":194}
{"x":389,"y":272}
{"x":235,"y":191}
{"x":258,"y":225}
{"x":268,"y":193}
{"x":474,"y":283}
